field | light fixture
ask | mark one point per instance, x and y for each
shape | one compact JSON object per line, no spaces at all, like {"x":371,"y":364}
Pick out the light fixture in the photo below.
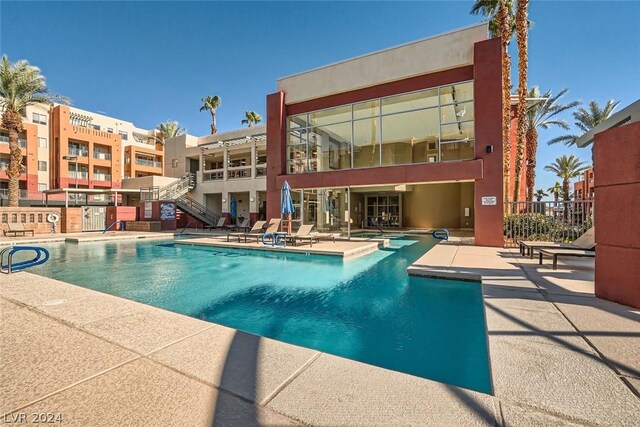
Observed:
{"x":224,"y":200}
{"x":253,"y":199}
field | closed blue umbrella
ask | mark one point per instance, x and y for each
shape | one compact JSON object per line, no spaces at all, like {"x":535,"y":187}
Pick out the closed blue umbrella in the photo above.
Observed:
{"x":234,"y":208}
{"x":286,"y":204}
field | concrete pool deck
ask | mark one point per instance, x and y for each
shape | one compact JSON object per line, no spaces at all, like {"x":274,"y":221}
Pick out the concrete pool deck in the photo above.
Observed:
{"x":90,"y":236}
{"x":559,"y":356}
{"x":340,"y":248}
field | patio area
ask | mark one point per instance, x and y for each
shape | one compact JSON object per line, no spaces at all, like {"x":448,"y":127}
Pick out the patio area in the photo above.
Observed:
{"x":559,"y":356}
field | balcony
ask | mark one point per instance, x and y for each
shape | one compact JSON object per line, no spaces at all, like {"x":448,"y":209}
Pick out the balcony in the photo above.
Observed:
{"x":261,"y":170}
{"x":147,"y":162}
{"x":80,"y":174}
{"x":4,"y":193}
{"x":4,"y":139}
{"x":215,"y":175}
{"x":102,"y":176}
{"x":239,"y":172}
{"x":81,"y":152}
{"x":101,"y":155}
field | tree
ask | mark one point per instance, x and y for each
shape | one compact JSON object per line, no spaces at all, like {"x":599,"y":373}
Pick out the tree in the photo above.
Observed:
{"x":539,"y":194}
{"x":211,"y":103}
{"x":522,"y":36}
{"x":501,"y":24}
{"x":585,"y":120}
{"x":555,"y":189}
{"x":170,"y":129}
{"x":542,"y":114}
{"x":251,"y":118}
{"x":567,"y":168}
{"x":21,"y":86}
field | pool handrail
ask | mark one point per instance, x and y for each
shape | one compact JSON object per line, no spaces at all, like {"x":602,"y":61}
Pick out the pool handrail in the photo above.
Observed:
{"x":185,"y":228}
{"x":441,"y":234}
{"x":124,"y":225}
{"x":41,"y":256}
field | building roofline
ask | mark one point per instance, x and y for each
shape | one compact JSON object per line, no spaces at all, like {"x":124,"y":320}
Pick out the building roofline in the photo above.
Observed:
{"x":629,"y":114}
{"x":446,"y":33}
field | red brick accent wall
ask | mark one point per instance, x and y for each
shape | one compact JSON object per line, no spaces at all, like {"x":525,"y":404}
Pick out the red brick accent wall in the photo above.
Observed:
{"x":617,"y":182}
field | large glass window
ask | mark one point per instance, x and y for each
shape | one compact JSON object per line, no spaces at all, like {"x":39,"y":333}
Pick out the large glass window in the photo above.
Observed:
{"x":431,"y":125}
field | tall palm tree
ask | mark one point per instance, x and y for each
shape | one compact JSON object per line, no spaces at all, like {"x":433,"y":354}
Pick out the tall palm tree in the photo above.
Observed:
{"x":211,"y":103}
{"x":522,"y":37}
{"x":585,"y":120}
{"x":539,"y":194}
{"x":21,"y":85}
{"x":544,"y":115}
{"x":170,"y":129}
{"x":555,"y":189}
{"x":567,"y":168}
{"x":502,"y":24}
{"x":251,"y":118}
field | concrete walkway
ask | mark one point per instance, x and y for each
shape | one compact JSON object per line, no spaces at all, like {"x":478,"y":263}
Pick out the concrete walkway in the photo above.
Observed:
{"x":554,"y":346}
{"x":559,"y":356}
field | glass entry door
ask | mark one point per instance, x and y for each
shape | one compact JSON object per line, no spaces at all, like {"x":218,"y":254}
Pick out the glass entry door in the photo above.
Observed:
{"x":383,"y":210}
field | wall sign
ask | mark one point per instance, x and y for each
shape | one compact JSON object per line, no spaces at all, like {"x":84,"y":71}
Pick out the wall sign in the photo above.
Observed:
{"x":148,"y":210}
{"x":489,"y":201}
{"x":167,"y":211}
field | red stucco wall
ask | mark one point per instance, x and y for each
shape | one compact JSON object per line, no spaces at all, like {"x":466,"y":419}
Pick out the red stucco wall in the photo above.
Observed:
{"x":617,"y":181}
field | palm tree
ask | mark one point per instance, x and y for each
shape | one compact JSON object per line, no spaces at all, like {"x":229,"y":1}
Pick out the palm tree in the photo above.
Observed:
{"x":544,"y":115}
{"x":585,"y":120}
{"x":555,"y":189}
{"x":567,"y":168}
{"x":251,"y":118}
{"x":539,"y":194}
{"x":211,"y":103}
{"x":501,"y":24}
{"x":522,"y":36}
{"x":170,"y":129}
{"x":21,"y":85}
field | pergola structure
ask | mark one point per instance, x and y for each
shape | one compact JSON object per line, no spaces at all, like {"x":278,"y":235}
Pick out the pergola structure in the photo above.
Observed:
{"x":89,"y":191}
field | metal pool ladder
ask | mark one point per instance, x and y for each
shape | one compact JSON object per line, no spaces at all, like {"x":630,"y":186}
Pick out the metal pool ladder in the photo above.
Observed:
{"x":41,"y":256}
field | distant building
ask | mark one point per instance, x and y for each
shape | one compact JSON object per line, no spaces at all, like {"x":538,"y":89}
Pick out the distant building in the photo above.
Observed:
{"x":65,"y":146}
{"x":584,"y":188}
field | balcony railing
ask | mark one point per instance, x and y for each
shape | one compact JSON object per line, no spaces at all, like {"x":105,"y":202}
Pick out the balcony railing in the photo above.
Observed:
{"x":4,"y":193}
{"x":216,"y":175}
{"x":261,"y":170}
{"x":146,"y":162}
{"x":73,"y":151}
{"x":239,"y":173}
{"x":79,"y":174}
{"x":5,"y":140}
{"x":101,"y":155}
{"x":102,"y":177}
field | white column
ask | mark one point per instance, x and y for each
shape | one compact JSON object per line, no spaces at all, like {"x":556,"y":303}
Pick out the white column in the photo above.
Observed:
{"x":225,"y":163}
{"x":253,"y":159}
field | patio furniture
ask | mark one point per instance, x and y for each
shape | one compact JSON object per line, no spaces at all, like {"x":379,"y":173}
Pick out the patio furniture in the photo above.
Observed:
{"x":244,"y":225}
{"x":255,"y":231}
{"x":17,"y":227}
{"x":556,"y":253}
{"x":325,"y":236}
{"x":585,"y":242}
{"x":272,"y":229}
{"x":220,"y":223}
{"x":303,"y":234}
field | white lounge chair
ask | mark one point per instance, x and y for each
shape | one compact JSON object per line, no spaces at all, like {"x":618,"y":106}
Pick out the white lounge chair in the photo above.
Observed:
{"x":585,"y":242}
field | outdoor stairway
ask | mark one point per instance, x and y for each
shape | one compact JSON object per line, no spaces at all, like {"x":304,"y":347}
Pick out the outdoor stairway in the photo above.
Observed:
{"x":177,"y":192}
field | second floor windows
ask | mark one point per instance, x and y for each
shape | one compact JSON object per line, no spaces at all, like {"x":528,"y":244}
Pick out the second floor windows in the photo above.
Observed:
{"x":40,"y":119}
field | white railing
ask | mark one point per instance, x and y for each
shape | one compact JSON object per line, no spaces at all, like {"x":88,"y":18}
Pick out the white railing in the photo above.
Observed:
{"x":101,"y":177}
{"x":239,"y":172}
{"x":79,"y":174}
{"x":101,"y":155}
{"x":5,"y":141}
{"x":213,"y":175}
{"x":146,"y":162}
{"x":78,"y":151}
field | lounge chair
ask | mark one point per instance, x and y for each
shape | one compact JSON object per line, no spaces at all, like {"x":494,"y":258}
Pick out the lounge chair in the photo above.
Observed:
{"x":17,"y":227}
{"x":242,"y":225}
{"x":220,"y":223}
{"x":556,"y":253}
{"x":303,"y":234}
{"x":325,"y":236}
{"x":584,"y":242}
{"x":255,"y":230}
{"x":273,"y":228}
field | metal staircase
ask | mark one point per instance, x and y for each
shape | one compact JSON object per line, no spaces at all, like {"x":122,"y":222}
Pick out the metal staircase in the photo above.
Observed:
{"x":177,"y":192}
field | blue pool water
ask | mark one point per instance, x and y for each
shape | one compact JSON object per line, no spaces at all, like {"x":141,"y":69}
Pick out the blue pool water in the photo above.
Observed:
{"x":367,"y":309}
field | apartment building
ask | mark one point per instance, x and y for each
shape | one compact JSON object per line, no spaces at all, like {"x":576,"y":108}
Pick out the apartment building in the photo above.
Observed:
{"x":584,"y":188}
{"x":67,"y":147}
{"x":230,"y":169}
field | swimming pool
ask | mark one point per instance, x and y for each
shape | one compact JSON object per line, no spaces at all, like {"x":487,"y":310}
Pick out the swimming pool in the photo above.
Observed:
{"x":367,"y":309}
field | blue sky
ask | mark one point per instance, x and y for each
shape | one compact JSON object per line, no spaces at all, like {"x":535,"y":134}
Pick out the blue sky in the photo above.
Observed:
{"x":147,"y":62}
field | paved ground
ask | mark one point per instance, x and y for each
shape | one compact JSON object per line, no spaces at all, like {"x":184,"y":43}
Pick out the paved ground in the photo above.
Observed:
{"x":559,"y":356}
